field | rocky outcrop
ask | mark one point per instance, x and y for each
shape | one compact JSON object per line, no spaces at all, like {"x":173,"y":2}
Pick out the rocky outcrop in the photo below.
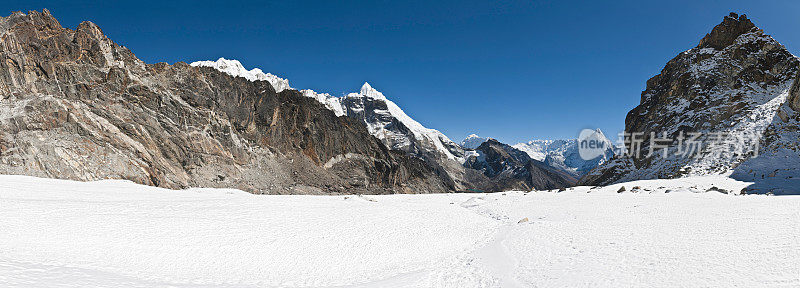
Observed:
{"x":724,"y":34}
{"x":728,"y":90}
{"x":75,"y":105}
{"x":511,"y":169}
{"x":794,"y":95}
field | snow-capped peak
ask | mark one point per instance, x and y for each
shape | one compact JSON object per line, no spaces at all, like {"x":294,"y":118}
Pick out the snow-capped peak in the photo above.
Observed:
{"x":473,"y":141}
{"x":368,"y":91}
{"x":384,"y":129}
{"x":235,"y":68}
{"x":600,"y":134}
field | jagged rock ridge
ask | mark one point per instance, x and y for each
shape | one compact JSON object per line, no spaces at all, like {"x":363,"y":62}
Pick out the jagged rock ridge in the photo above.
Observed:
{"x":75,"y":105}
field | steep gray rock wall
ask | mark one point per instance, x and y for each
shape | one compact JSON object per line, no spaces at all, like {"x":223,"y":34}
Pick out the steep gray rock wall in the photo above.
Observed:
{"x":75,"y":105}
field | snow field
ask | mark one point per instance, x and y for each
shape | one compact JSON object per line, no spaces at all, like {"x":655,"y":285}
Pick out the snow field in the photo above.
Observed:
{"x":118,"y":234}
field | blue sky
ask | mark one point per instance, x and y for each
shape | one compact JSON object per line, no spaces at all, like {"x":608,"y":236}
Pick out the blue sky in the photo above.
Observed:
{"x":514,"y":71}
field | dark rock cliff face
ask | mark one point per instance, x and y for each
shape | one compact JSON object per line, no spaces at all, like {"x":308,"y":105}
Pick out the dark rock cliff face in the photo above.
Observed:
{"x":75,"y":105}
{"x":726,"y":32}
{"x":732,"y":84}
{"x":794,"y":95}
{"x":511,"y":169}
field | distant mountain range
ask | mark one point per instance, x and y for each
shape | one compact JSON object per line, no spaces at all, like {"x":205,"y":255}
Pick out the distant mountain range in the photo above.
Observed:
{"x":510,"y":167}
{"x":564,"y":154}
{"x":393,"y":127}
{"x":559,"y":154}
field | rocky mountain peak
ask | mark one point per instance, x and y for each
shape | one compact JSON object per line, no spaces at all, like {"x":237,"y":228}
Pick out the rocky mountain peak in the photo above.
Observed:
{"x":92,"y":30}
{"x":729,"y":92}
{"x":726,"y":32}
{"x":43,"y":20}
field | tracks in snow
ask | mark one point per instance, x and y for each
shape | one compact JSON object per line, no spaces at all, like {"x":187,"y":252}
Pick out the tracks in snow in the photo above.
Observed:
{"x":499,"y":260}
{"x":495,"y":255}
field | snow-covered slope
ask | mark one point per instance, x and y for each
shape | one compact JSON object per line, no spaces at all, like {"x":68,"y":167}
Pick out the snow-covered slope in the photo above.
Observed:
{"x":118,"y":234}
{"x":777,"y":168}
{"x":564,"y":154}
{"x":235,"y":68}
{"x":473,"y":141}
